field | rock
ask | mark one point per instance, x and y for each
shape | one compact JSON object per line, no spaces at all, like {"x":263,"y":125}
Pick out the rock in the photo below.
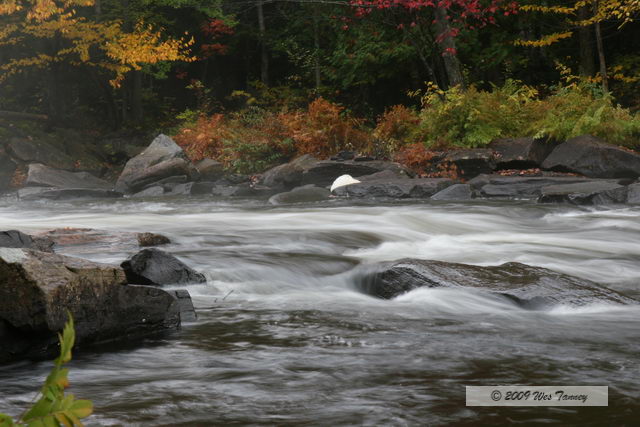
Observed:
{"x":304,"y":194}
{"x":242,"y":190}
{"x":178,"y":179}
{"x":155,"y":267}
{"x":29,"y":151}
{"x":17,"y":239}
{"x":154,"y":191}
{"x":323,"y":173}
{"x":8,"y":169}
{"x":387,"y":174}
{"x":454,"y":192}
{"x":185,"y":305}
{"x":162,"y":159}
{"x":288,"y":175}
{"x":592,"y":157}
{"x":152,"y":239}
{"x":470,"y":163}
{"x":530,"y":287}
{"x":210,"y":169}
{"x":51,"y":193}
{"x":344,"y":155}
{"x":363,"y":159}
{"x":397,"y":189}
{"x":520,"y":153}
{"x":38,"y":289}
{"x":518,"y":187}
{"x":602,"y":192}
{"x":40,"y":175}
{"x":633,"y":194}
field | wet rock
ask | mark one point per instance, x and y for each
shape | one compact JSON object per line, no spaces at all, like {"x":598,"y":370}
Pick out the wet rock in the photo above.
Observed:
{"x":529,"y":287}
{"x":454,"y":192}
{"x":17,"y":239}
{"x":40,"y":175}
{"x":323,"y":173}
{"x":245,"y":190}
{"x":602,"y":192}
{"x":209,"y":169}
{"x":518,"y":187}
{"x":185,"y":305}
{"x":152,"y":239}
{"x":38,"y":289}
{"x":288,"y":175}
{"x":633,"y":194}
{"x":396,"y":189}
{"x":471,"y":163}
{"x":154,"y":191}
{"x":155,"y":267}
{"x":304,"y":194}
{"x":592,"y":157}
{"x":162,"y":159}
{"x":52,"y":193}
{"x":178,"y":179}
{"x":520,"y":153}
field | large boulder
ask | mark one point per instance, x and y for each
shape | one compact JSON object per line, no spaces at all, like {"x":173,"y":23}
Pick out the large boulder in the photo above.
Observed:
{"x":603,"y":192}
{"x":33,"y":151}
{"x":38,"y":288}
{"x":209,"y":169}
{"x":17,"y":239}
{"x":520,"y":153}
{"x":417,"y":188}
{"x":592,"y":157}
{"x":288,"y":175}
{"x":527,"y":286}
{"x":163,"y":158}
{"x":39,"y":175}
{"x":305,"y":194}
{"x":155,"y":267}
{"x":456,"y":192}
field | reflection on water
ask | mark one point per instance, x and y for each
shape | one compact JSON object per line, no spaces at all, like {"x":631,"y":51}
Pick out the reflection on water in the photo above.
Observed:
{"x":295,"y":343}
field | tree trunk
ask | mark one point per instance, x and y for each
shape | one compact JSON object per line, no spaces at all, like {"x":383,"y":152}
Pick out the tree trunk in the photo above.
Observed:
{"x":603,"y":64}
{"x":264,"y":56}
{"x":587,"y":64}
{"x":316,"y":44}
{"x":448,"y":47}
{"x":136,"y":95}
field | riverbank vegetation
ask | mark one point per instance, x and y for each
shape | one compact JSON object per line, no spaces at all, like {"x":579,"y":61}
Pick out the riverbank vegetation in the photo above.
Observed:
{"x":253,"y":83}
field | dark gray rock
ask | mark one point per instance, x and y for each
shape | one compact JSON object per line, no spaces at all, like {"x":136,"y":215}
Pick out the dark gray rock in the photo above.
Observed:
{"x":518,"y":187}
{"x":245,"y":190}
{"x":178,"y":179}
{"x":520,"y":153}
{"x":17,"y":239}
{"x":527,"y":286}
{"x":387,"y":174}
{"x":603,"y":192}
{"x":38,"y":288}
{"x":397,"y":189}
{"x":29,"y":151}
{"x":304,"y":194}
{"x":592,"y":157}
{"x":454,"y":192}
{"x":209,"y":169}
{"x":51,"y":193}
{"x":471,"y":163}
{"x":344,"y":155}
{"x":323,"y":173}
{"x":288,"y":175}
{"x":163,"y":158}
{"x":633,"y":194}
{"x":40,"y":175}
{"x":155,"y":267}
{"x":154,"y":191}
{"x":185,"y":305}
{"x":8,"y":169}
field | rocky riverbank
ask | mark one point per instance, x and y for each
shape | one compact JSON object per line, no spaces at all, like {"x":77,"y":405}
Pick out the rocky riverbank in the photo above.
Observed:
{"x":583,"y":171}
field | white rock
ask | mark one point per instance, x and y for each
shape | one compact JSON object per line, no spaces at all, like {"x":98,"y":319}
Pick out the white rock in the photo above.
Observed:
{"x":343,"y":180}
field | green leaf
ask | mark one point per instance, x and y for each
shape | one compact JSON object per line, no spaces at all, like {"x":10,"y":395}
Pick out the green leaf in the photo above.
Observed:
{"x":82,"y":408}
{"x":6,"y":421}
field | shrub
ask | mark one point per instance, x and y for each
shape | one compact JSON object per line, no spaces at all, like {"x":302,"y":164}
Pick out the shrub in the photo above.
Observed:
{"x":395,"y":127}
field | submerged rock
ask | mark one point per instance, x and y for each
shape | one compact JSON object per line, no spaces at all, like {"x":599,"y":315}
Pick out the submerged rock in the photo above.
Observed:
{"x":38,"y":288}
{"x":156,"y":268}
{"x":527,"y":286}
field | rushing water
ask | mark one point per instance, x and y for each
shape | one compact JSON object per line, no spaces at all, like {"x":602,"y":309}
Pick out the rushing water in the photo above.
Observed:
{"x":294,"y":343}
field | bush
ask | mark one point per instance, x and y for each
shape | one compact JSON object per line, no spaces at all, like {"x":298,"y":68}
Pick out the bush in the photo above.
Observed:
{"x":395,"y":128}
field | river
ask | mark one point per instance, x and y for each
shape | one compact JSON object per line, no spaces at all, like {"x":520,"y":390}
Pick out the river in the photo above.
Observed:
{"x":283,"y":336}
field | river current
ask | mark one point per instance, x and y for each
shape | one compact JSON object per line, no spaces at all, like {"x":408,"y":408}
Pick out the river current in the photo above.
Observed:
{"x":283,"y":337}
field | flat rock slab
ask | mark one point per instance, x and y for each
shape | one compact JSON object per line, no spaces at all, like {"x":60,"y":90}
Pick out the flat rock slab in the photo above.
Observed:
{"x":38,"y":289}
{"x":603,"y":192}
{"x":398,"y":189}
{"x":456,"y":192}
{"x":529,"y":287}
{"x":523,"y":187}
{"x":52,"y":193}
{"x":39,"y":175}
